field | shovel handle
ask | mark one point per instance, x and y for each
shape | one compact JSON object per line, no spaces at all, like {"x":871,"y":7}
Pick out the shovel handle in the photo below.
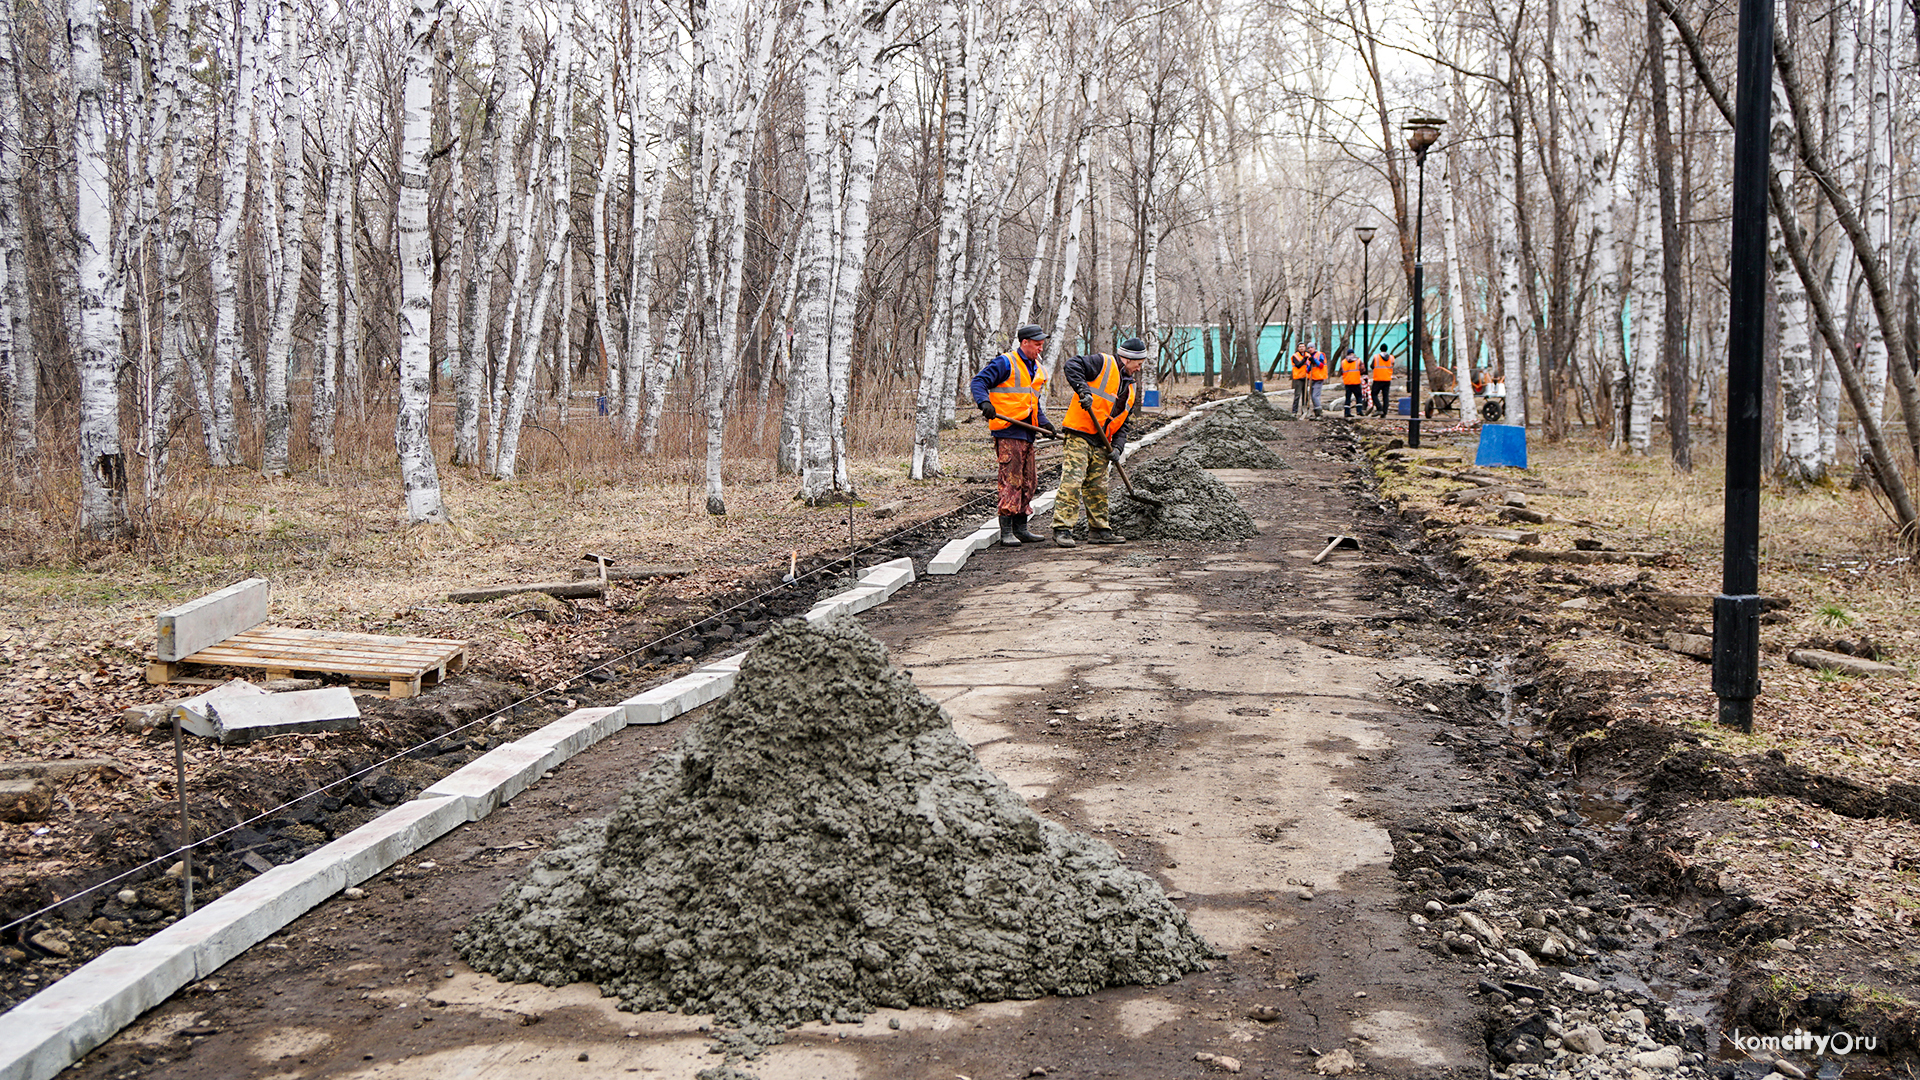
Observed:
{"x":1029,"y":427}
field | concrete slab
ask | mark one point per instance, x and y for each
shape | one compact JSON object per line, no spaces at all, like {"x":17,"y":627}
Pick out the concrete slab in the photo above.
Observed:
{"x":951,"y":558}
{"x":689,"y":691}
{"x":213,"y":618}
{"x":196,"y":712}
{"x":855,"y":601}
{"x":251,"y":913}
{"x":391,"y":837}
{"x":983,"y":539}
{"x":246,"y":717}
{"x":45,"y":1033}
{"x":891,"y":576}
{"x":578,"y":730}
{"x":483,"y":784}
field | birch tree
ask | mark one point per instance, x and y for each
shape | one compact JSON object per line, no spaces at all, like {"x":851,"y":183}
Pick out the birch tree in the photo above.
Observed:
{"x":929,"y":403}
{"x":248,"y":42}
{"x":419,"y":476}
{"x":103,"y":469}
{"x":19,"y":368}
{"x":293,"y":205}
{"x":493,"y":208}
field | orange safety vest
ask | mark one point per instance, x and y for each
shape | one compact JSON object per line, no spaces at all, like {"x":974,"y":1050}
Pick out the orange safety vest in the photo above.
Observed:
{"x":1350,"y":370}
{"x":1318,"y":371}
{"x":1382,"y":368}
{"x":1109,"y":412}
{"x":1300,"y":362}
{"x":1019,"y":396}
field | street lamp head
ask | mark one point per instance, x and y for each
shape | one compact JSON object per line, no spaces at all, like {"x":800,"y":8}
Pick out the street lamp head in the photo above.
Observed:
{"x":1422,"y":133}
{"x":1365,"y":233}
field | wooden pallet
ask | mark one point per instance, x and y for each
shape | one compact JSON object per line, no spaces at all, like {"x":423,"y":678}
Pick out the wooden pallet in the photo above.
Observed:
{"x":404,"y":664}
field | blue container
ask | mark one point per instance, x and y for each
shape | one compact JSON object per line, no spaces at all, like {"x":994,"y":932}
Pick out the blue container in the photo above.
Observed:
{"x":1149,"y":399}
{"x":1406,"y":406}
{"x":1259,"y":387}
{"x":1502,"y":444}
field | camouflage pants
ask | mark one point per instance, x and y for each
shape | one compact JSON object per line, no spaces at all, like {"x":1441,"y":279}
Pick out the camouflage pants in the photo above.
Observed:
{"x":1083,"y":479}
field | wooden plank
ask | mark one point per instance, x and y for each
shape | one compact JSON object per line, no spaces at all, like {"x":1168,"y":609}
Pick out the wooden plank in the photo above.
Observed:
{"x":185,"y":630}
{"x":564,"y":590}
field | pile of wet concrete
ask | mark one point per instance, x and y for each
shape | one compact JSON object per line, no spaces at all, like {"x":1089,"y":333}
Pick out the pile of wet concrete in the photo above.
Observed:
{"x":1196,"y":504}
{"x":822,"y":843}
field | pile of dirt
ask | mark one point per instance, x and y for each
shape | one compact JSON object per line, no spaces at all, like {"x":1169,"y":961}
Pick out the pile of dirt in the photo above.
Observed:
{"x":1198,"y":506}
{"x":821,"y":844}
{"x":1253,"y":407}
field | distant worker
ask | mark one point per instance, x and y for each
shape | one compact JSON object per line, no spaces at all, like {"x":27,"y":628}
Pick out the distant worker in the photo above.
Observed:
{"x":1382,"y":380}
{"x":1316,"y":377}
{"x":1353,"y":376}
{"x":1008,"y":393}
{"x":1301,"y":360}
{"x":1096,"y":433}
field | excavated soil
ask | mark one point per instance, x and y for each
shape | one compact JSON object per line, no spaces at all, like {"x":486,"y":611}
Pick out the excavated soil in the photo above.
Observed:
{"x":865,"y":859}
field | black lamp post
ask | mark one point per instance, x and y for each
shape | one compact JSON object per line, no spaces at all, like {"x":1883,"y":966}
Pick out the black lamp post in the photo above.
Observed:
{"x":1422,"y":133}
{"x":1365,"y":233}
{"x":1736,"y":611}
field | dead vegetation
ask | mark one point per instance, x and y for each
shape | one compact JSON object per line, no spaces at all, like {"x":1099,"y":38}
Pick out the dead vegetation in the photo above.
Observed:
{"x":1809,"y":823}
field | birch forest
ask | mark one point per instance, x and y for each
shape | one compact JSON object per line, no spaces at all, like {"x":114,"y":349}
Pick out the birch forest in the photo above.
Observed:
{"x":269,"y":235}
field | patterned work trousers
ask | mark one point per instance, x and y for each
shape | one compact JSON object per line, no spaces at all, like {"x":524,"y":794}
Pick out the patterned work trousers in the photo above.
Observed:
{"x":1083,"y":479}
{"x":1019,"y":476}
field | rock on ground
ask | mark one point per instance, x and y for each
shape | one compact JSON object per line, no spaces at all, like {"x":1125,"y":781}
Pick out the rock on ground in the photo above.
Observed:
{"x":821,"y":844}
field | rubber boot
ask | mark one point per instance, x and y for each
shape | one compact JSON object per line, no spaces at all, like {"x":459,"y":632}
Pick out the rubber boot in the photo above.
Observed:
{"x":1007,"y":539}
{"x":1105,"y":536}
{"x":1020,"y":530}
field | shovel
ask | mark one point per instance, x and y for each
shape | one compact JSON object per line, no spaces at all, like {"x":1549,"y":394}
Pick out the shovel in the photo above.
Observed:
{"x":1335,"y":542}
{"x":1040,"y":431}
{"x":1131,"y":493}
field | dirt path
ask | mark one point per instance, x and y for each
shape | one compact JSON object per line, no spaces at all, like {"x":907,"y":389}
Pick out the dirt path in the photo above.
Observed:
{"x":1182,"y":702}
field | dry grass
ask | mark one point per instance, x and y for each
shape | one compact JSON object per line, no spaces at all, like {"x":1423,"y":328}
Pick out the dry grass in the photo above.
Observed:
{"x":1833,"y":556}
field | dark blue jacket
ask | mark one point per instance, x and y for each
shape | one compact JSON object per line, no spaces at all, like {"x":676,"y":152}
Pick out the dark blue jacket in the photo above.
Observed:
{"x":993,"y":375}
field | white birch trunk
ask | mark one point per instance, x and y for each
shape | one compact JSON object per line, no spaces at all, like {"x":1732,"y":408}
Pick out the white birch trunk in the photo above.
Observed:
{"x":1799,"y":392}
{"x":1463,"y":360}
{"x":514,"y":328}
{"x":1597,"y":191}
{"x":1063,"y":337}
{"x":606,"y":340}
{"x":559,"y":232}
{"x":1508,"y":241}
{"x":419,"y":476}
{"x":870,"y":33}
{"x":350,"y":372}
{"x":324,"y":406}
{"x":931,"y":400}
{"x":494,"y":208}
{"x":809,"y":368}
{"x":19,"y":368}
{"x":225,"y":263}
{"x":184,"y":151}
{"x":103,"y":470}
{"x":1649,"y":310}
{"x":1876,"y":196}
{"x":274,"y":459}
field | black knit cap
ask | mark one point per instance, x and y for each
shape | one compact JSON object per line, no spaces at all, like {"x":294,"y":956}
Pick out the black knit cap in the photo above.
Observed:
{"x":1134,"y":349}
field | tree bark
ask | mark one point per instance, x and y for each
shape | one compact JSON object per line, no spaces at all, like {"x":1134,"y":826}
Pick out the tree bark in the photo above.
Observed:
{"x":419,"y":476}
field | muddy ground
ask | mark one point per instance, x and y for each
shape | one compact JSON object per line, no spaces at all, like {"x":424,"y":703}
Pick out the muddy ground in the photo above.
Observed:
{"x":1366,"y":780}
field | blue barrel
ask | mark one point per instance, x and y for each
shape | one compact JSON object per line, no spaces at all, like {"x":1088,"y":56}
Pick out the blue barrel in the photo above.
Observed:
{"x":1502,"y":444}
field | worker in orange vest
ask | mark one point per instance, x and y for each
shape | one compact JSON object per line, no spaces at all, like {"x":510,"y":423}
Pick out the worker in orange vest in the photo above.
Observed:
{"x":1095,"y":432}
{"x":1008,"y":391}
{"x":1382,"y":380}
{"x":1316,"y":376}
{"x":1353,"y":376}
{"x":1302,"y":360}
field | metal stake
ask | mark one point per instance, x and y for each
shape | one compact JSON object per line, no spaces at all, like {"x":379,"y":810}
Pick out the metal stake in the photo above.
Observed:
{"x":186,"y":828}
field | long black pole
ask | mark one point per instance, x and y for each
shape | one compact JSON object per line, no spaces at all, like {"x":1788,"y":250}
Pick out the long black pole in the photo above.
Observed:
{"x":1418,"y":331}
{"x":1366,"y":302}
{"x":1736,"y":611}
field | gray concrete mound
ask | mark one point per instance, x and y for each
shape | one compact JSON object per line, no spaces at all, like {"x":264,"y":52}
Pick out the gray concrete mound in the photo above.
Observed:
{"x":821,"y":844}
{"x":1255,"y":405}
{"x":1227,"y":443}
{"x":1198,"y":506}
